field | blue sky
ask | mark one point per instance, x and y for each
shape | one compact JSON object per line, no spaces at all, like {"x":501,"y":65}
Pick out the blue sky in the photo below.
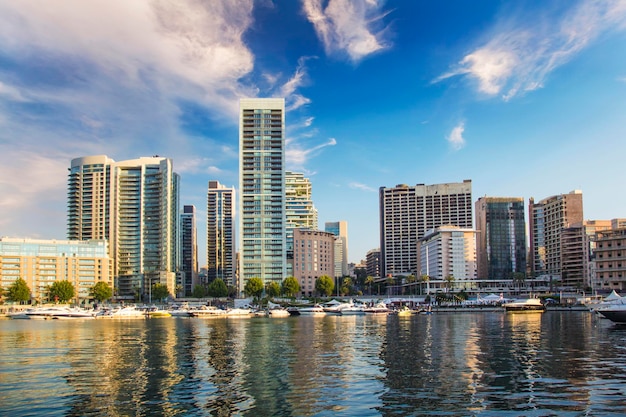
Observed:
{"x":526,"y":98}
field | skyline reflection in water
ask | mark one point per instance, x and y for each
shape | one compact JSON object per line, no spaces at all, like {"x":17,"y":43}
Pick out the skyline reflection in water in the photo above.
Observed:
{"x":487,"y":364}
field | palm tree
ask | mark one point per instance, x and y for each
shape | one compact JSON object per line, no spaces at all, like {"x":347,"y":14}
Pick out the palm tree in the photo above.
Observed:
{"x":425,"y":279}
{"x":369,"y":281}
{"x":410,"y":280}
{"x":449,"y":281}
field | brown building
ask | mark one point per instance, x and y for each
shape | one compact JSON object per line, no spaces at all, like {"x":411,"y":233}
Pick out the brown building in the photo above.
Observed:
{"x":313,"y":256}
{"x":610,"y":259}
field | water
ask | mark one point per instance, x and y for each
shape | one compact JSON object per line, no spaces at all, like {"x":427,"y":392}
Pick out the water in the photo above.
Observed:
{"x":446,"y":364}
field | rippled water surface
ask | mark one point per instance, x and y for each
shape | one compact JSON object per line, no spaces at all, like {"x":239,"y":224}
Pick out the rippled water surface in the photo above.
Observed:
{"x":446,"y":364}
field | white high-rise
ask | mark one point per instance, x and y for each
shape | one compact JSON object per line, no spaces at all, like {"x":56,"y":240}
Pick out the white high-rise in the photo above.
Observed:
{"x":262,"y":190}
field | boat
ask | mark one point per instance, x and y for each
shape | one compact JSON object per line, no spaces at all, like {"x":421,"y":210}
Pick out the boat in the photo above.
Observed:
{"x":154,"y":312}
{"x":525,"y":305}
{"x":278,"y":312}
{"x":380,"y":308}
{"x":315,"y":310}
{"x":59,"y":313}
{"x":404,"y":312}
{"x":616,"y":311}
{"x":239,"y":312}
{"x":354,"y":310}
{"x":208,"y":312}
{"x":127,"y":312}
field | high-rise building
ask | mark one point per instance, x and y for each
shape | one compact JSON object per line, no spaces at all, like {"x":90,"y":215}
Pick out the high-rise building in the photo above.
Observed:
{"x":372,"y":262}
{"x":500,"y":237}
{"x":448,"y":251}
{"x":610,"y":259}
{"x":300,"y":212}
{"x":134,"y":205}
{"x":262,"y":190}
{"x":547,"y":219}
{"x":188,"y":250}
{"x":407,"y":212}
{"x":313,"y":257}
{"x":591,"y":228}
{"x":41,"y":262}
{"x":340,"y":230}
{"x":221,"y":233}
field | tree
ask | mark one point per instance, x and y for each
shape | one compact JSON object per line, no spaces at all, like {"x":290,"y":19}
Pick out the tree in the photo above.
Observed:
{"x":290,"y":287}
{"x":410,"y":280}
{"x":449,"y":281}
{"x":425,"y":279}
{"x":101,"y":291}
{"x":218,"y":288}
{"x":254,"y":287}
{"x":198,"y":291}
{"x":61,"y":291}
{"x":369,"y":281}
{"x":272,"y":289}
{"x":346,"y":286}
{"x":160,"y":291}
{"x":18,"y":291}
{"x":324,"y":285}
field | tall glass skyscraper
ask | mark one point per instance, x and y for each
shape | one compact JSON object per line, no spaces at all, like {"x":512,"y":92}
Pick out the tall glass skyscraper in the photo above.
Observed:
{"x":501,"y":237}
{"x":188,"y":250}
{"x":262,"y":190}
{"x":221,"y":233}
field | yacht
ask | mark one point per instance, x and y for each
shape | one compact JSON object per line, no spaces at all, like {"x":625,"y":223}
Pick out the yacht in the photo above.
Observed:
{"x":278,"y":312}
{"x":59,"y":313}
{"x":380,"y":308}
{"x":128,"y":312}
{"x":315,"y":310}
{"x":616,"y":311}
{"x":526,"y":305}
{"x":208,"y":312}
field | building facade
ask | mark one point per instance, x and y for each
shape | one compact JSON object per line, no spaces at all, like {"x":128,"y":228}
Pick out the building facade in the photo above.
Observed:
{"x":42,"y":262}
{"x":136,"y":205}
{"x":300,"y":212}
{"x":313,"y":257}
{"x":547,"y":219}
{"x":340,"y":230}
{"x":610,"y":260}
{"x":188,"y":250}
{"x":221,"y":233}
{"x":372,"y":263}
{"x":407,"y":212}
{"x":262,"y":190}
{"x":500,"y":237}
{"x":448,"y":251}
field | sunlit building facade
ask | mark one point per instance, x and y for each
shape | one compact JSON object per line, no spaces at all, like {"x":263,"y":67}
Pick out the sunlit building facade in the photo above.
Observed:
{"x":313,"y":257}
{"x":188,"y":250}
{"x":300,"y":212}
{"x":340,"y":230}
{"x":221,"y":233}
{"x":448,"y":251}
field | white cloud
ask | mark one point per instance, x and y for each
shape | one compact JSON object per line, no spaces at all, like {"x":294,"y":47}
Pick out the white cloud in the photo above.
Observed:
{"x":297,"y":156}
{"x":520,"y":55}
{"x":359,"y":186}
{"x":455,"y":138}
{"x":348,"y":26}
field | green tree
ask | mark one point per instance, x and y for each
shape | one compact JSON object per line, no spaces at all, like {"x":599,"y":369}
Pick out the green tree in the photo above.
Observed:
{"x":218,"y":288}
{"x":411,"y":280}
{"x":369,"y":281}
{"x":160,"y":291}
{"x":272,"y":289}
{"x":61,"y":291}
{"x":449,"y":282}
{"x":324,"y":285}
{"x":346,"y":286}
{"x":101,"y":291}
{"x":425,"y":279}
{"x":232,"y":291}
{"x":290,"y":287}
{"x":198,"y":291}
{"x":254,"y":287}
{"x":18,"y":291}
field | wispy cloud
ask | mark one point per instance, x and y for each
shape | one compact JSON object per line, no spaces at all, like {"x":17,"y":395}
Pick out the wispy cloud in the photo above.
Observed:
{"x":455,"y":138}
{"x":360,"y":186}
{"x":353,"y":27}
{"x":297,"y":156}
{"x":521,"y":53}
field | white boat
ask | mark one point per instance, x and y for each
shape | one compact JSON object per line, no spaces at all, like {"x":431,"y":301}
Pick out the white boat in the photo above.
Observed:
{"x":208,"y":312}
{"x":59,"y":313}
{"x":316,"y":310}
{"x":380,"y":308}
{"x":615,"y":311}
{"x":278,"y":312}
{"x":128,"y":312}
{"x":525,"y":305}
{"x":354,"y":310}
{"x":239,"y":312}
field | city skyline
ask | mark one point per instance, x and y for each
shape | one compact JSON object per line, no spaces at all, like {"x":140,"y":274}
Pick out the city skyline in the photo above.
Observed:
{"x":526,"y":99}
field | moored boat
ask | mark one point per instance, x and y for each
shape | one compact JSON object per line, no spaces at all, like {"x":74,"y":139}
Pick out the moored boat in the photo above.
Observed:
{"x":616,"y":312}
{"x":208,"y":312}
{"x":526,"y":305}
{"x":127,"y":312}
{"x":315,"y":310}
{"x":59,"y":313}
{"x":380,"y":308}
{"x":278,"y":312}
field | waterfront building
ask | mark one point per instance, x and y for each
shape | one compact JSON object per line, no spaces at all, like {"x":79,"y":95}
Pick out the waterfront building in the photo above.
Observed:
{"x":340,"y":230}
{"x":547,"y":220}
{"x":448,"y":251}
{"x":300,"y":212}
{"x":372,"y":263}
{"x":42,"y":262}
{"x":610,"y":259}
{"x":132,"y":204}
{"x":262,"y":190}
{"x":500,"y":237}
{"x":407,"y":212}
{"x":221,"y":233}
{"x":591,"y":227}
{"x":188,"y":250}
{"x":313,"y":257}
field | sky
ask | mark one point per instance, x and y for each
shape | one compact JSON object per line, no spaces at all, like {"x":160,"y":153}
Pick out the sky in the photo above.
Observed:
{"x":526,"y":98}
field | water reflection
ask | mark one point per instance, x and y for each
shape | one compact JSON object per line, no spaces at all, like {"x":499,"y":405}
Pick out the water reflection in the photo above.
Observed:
{"x":487,"y":364}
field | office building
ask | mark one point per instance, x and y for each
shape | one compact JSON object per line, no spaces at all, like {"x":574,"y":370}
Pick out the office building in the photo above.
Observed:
{"x":547,"y":219}
{"x":262,"y":190}
{"x":300,"y":212}
{"x":221,"y":233}
{"x":313,"y":257}
{"x":448,"y":251}
{"x":188,"y":250}
{"x":372,"y":263}
{"x":500,"y":237}
{"x":136,"y":206}
{"x":407,"y":212}
{"x":340,"y":230}
{"x":42,"y":262}
{"x":610,"y":260}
